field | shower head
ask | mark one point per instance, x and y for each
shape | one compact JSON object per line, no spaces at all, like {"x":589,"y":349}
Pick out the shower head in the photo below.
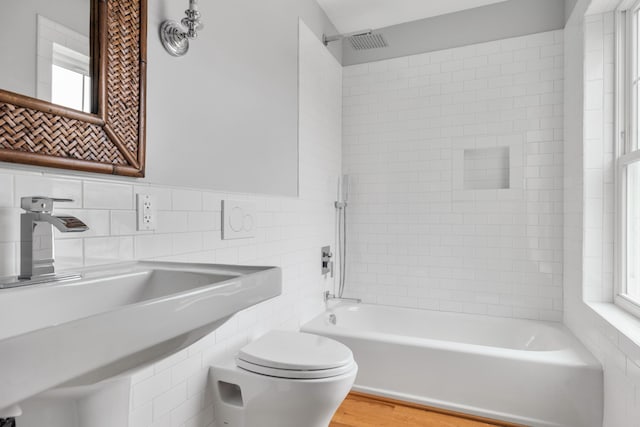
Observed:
{"x":359,"y":40}
{"x":367,"y":41}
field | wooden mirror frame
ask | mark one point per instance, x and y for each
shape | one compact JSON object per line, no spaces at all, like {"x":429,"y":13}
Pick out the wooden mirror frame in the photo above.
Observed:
{"x":112,"y":141}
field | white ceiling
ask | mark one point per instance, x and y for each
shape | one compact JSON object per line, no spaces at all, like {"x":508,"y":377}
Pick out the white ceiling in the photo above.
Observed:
{"x":354,"y":15}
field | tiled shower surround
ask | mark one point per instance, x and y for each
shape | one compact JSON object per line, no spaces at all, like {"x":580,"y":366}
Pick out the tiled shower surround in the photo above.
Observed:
{"x":290,"y":233}
{"x":456,"y":166}
{"x":590,"y":207}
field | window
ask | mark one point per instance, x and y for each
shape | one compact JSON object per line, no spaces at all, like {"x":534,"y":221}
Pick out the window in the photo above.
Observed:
{"x":627,"y":293}
{"x":70,"y":80}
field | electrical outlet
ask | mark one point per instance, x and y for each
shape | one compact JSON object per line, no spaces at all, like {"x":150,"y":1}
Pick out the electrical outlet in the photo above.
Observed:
{"x":146,"y":212}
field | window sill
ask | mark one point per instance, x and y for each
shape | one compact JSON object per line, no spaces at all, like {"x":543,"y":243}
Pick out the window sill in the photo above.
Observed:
{"x":626,"y":328}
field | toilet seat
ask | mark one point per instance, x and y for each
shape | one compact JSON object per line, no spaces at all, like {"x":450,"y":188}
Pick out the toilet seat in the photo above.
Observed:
{"x":296,"y":355}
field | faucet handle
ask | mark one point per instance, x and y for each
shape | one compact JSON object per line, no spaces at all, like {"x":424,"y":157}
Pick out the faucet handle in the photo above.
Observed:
{"x":40,"y":203}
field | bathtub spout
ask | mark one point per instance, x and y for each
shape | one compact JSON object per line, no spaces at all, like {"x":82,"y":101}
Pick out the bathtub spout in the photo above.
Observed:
{"x":328,"y":296}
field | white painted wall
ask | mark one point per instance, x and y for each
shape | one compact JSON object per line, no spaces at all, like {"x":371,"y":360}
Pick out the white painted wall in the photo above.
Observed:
{"x":497,"y":21}
{"x":290,"y":232}
{"x":568,"y":8}
{"x":225,"y":116}
{"x":419,"y":237}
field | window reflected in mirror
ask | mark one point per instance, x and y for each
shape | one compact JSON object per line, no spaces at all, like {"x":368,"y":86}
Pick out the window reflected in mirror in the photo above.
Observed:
{"x":70,"y":79}
{"x":63,"y":63}
{"x":28,"y":31}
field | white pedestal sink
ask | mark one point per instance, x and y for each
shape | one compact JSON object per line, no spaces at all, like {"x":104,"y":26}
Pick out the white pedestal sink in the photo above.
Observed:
{"x":116,"y":318}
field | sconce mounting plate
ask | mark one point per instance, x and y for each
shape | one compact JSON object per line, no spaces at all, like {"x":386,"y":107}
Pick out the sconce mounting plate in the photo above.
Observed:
{"x":173,"y":38}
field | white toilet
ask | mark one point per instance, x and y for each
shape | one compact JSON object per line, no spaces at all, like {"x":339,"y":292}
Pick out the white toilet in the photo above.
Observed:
{"x":283,"y":379}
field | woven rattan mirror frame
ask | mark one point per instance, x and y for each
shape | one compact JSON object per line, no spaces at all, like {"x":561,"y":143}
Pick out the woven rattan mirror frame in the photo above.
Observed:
{"x":113,"y":140}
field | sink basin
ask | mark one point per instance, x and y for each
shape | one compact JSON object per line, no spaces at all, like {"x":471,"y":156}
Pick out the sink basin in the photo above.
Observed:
{"x":116,"y":318}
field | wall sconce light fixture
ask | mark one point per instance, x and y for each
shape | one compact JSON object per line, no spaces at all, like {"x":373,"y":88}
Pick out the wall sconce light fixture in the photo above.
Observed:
{"x":175,"y":36}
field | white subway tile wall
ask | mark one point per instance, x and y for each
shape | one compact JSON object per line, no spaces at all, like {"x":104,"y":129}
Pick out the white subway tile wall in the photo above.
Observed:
{"x":589,"y":230}
{"x":599,"y":157}
{"x":289,"y":234}
{"x":417,"y":237}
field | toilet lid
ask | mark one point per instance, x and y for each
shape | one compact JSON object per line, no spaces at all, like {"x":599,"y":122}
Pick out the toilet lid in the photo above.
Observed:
{"x":296,"y":355}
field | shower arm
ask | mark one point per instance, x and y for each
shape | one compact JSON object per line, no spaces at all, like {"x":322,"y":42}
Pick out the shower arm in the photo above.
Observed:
{"x":334,"y":38}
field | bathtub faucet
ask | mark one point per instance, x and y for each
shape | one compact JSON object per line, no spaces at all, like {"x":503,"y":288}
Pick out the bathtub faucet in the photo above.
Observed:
{"x":328,"y":295}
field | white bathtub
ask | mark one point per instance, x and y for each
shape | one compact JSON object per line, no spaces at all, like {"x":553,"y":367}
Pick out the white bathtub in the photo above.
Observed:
{"x":527,"y":372}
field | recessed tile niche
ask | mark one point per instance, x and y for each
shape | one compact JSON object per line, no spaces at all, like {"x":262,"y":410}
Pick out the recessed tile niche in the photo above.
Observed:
{"x":486,"y":168}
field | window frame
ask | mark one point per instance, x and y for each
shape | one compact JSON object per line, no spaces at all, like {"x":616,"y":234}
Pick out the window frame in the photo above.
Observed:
{"x":626,"y":127}
{"x":76,"y":62}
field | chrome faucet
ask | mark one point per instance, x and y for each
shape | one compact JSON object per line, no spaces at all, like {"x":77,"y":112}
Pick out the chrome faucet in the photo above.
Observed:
{"x":36,"y":235}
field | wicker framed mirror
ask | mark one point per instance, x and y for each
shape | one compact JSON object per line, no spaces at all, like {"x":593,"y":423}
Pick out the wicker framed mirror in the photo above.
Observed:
{"x":112,"y":141}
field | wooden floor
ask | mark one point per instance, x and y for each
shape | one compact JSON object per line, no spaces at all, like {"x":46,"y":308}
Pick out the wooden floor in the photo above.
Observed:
{"x":361,"y":410}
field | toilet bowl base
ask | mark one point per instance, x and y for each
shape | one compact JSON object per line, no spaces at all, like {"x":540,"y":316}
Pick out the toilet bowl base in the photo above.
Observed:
{"x":245,"y":399}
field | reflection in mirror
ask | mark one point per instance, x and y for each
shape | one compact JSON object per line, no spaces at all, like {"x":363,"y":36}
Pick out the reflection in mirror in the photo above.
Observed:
{"x":50,"y":60}
{"x":63,"y":66}
{"x":46,"y":46}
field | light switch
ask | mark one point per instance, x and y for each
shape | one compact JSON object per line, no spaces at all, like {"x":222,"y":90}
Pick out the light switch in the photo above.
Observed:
{"x":238,"y":220}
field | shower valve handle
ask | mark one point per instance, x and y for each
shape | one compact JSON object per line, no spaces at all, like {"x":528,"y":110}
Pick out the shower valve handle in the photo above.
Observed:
{"x":325,"y":259}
